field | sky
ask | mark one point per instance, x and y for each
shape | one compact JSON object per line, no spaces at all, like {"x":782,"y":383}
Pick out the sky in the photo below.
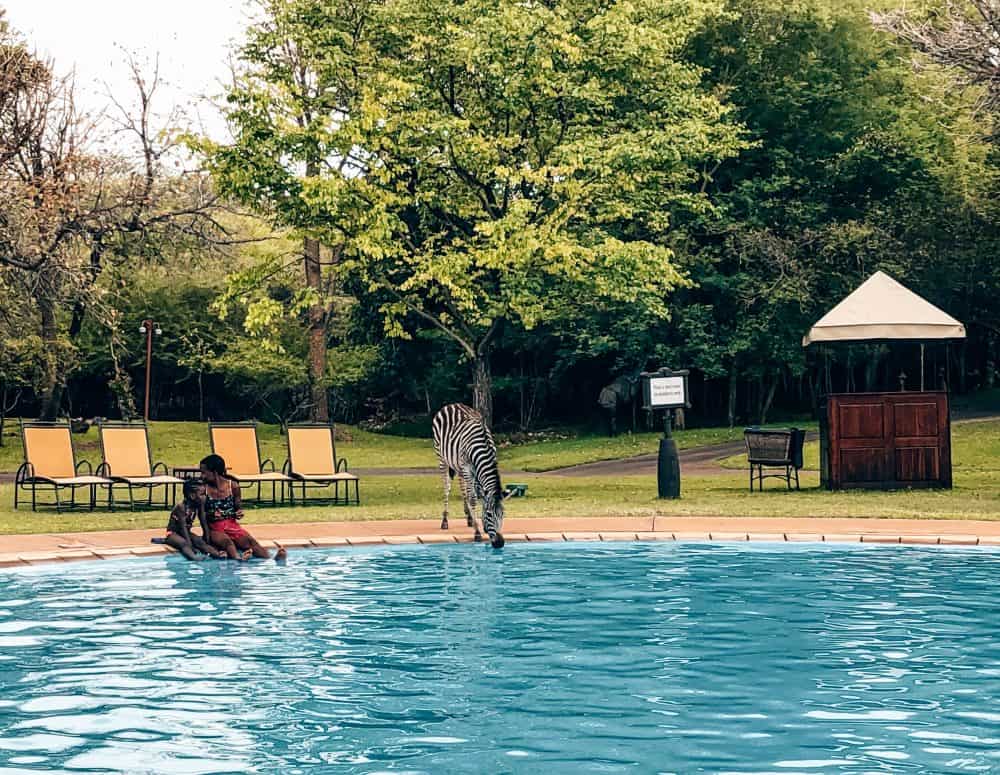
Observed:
{"x":193,"y":39}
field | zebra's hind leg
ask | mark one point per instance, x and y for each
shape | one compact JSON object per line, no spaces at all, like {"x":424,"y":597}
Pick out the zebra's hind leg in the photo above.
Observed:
{"x":446,"y":474}
{"x":468,"y":498}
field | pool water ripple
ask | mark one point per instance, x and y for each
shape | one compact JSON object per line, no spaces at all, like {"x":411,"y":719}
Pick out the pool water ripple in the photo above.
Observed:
{"x":555,"y":658}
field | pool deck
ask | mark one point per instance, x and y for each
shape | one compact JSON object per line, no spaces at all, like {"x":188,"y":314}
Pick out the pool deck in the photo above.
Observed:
{"x":32,"y":549}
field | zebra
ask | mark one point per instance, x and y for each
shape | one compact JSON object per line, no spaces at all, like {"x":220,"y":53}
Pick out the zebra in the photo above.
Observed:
{"x":464,"y":445}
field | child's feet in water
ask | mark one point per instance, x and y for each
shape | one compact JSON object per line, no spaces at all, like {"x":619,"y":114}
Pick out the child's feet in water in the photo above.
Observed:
{"x":246,"y":555}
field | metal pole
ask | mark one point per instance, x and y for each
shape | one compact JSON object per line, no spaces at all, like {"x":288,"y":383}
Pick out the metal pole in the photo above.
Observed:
{"x":149,"y":361}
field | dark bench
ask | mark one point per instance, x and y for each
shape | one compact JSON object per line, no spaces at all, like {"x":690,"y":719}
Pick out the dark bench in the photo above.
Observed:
{"x":774,"y":449}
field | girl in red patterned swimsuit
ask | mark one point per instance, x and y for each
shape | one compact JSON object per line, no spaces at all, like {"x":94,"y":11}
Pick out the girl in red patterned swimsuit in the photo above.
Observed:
{"x":223,"y":509}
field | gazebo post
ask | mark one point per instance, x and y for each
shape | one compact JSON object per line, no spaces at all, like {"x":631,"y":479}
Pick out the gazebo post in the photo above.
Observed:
{"x":921,"y":367}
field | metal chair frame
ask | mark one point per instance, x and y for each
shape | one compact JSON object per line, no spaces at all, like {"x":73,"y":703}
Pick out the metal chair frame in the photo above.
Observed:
{"x":169,"y":488}
{"x":304,"y":481}
{"x":27,"y":479}
{"x":259,"y":500}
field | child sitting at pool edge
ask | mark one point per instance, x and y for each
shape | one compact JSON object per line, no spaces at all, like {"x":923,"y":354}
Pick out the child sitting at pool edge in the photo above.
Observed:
{"x":179,"y":535}
{"x":223,"y":509}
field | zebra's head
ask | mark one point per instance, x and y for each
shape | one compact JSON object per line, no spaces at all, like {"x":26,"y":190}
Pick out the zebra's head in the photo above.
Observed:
{"x":493,"y":516}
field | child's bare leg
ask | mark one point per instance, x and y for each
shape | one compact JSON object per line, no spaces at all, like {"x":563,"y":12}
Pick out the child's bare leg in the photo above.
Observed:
{"x":201,"y":545}
{"x":248,"y":542}
{"x":221,"y":541}
{"x":176,"y":542}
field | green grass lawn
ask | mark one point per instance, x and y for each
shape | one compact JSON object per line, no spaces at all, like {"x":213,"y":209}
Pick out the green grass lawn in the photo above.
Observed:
{"x":975,"y":447}
{"x":185,"y":443}
{"x":976,"y":496}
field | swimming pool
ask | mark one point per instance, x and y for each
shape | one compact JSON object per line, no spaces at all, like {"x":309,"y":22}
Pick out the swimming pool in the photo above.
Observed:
{"x":557,"y":658}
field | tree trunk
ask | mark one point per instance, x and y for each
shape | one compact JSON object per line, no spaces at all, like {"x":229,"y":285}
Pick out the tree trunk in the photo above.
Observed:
{"x":991,"y":361}
{"x":768,"y":399}
{"x":201,"y":400}
{"x":871,"y":368}
{"x":962,"y":382}
{"x":482,"y":387}
{"x":320,"y":410}
{"x":731,"y":406}
{"x":51,"y":388}
{"x":3,"y":412}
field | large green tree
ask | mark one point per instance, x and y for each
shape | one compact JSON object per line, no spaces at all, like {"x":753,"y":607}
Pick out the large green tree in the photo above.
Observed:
{"x":485,"y":163}
{"x":849,"y":172}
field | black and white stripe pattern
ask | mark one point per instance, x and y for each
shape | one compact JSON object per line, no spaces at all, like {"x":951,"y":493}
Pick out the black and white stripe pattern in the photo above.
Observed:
{"x":464,"y":445}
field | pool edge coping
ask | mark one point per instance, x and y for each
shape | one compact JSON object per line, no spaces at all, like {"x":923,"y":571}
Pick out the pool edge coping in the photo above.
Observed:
{"x":85,"y":553}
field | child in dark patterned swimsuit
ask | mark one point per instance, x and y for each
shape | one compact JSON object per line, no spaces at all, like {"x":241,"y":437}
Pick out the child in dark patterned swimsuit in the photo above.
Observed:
{"x":179,"y":535}
{"x":223,"y":508}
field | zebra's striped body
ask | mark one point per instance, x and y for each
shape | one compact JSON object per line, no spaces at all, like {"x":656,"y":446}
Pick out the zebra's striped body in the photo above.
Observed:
{"x":464,"y":445}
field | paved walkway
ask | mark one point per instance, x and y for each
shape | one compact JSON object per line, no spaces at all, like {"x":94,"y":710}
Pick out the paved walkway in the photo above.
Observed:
{"x":24,"y":550}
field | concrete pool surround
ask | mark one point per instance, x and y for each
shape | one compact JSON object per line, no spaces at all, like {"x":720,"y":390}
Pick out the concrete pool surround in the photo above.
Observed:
{"x":40,"y":548}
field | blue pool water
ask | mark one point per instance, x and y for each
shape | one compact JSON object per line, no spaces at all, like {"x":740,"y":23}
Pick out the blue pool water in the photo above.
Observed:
{"x":569,"y":658}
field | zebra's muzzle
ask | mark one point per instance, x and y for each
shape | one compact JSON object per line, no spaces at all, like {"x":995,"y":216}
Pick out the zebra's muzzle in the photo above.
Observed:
{"x":496,"y":540}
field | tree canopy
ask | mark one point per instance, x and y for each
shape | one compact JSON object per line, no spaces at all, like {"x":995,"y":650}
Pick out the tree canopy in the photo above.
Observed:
{"x":483,"y":163}
{"x":508,"y":204}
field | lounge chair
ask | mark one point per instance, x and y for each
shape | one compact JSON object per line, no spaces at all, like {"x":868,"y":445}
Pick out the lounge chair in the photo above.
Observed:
{"x":312,"y":461}
{"x":50,"y":463}
{"x":127,"y":460}
{"x":238,"y":445}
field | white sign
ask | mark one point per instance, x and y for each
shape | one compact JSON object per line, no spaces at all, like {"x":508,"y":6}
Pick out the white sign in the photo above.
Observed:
{"x":666,"y":391}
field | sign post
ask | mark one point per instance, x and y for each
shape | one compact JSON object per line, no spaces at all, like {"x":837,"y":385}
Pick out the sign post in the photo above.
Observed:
{"x":667,"y":390}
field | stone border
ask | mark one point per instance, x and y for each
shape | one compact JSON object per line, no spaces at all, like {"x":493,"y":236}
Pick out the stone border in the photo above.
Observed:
{"x":30,"y":558}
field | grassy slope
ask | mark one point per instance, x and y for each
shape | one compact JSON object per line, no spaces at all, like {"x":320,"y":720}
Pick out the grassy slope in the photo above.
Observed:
{"x":552,"y":454}
{"x":185,"y":443}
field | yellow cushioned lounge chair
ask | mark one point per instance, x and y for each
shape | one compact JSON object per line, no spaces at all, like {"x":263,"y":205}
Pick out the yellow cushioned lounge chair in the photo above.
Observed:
{"x":238,"y":445}
{"x":50,"y":463}
{"x":128,"y":461}
{"x":312,"y":460}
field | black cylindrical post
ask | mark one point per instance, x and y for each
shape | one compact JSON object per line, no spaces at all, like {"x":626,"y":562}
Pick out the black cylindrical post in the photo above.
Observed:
{"x":668,"y":465}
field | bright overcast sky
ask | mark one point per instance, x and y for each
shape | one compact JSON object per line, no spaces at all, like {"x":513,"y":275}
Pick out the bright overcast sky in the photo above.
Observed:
{"x":193,"y":39}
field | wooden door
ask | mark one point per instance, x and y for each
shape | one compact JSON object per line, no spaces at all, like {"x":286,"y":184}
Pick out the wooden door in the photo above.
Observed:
{"x":859,"y":441}
{"x":921,"y":439}
{"x":888,"y":440}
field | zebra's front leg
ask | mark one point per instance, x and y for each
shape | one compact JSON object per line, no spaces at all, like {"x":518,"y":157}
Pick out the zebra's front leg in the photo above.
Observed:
{"x":469,"y":502}
{"x":468,"y":497}
{"x":446,"y":474}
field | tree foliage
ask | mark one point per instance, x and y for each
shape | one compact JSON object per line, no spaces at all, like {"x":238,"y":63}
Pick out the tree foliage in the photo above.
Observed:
{"x":483,"y":163}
